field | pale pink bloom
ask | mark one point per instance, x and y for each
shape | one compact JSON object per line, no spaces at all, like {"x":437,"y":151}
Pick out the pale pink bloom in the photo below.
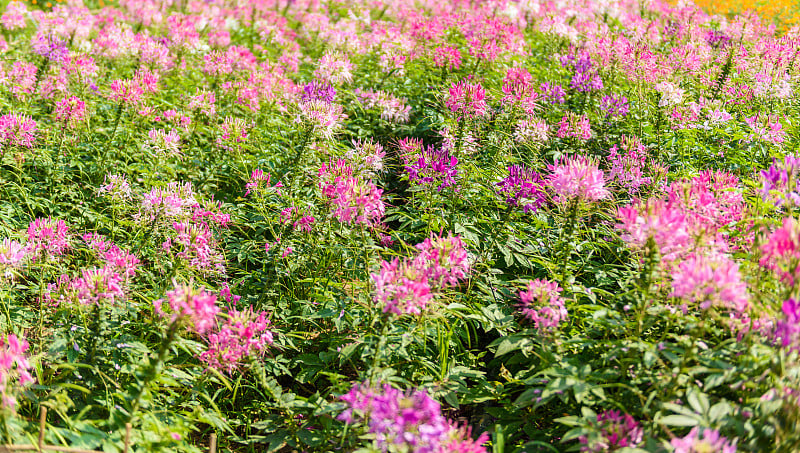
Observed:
{"x":196,"y":245}
{"x":531,"y":130}
{"x":335,"y":68}
{"x":14,"y":16}
{"x":204,"y":102}
{"x":701,"y":440}
{"x":120,"y":260}
{"x":767,"y":128}
{"x":195,"y":308}
{"x":234,"y":132}
{"x":393,"y":109}
{"x":163,"y":142}
{"x":627,"y":163}
{"x":577,"y":178}
{"x":366,"y":158}
{"x":671,"y":94}
{"x":323,"y":117}
{"x":117,"y":187}
{"x":175,"y":201}
{"x":444,"y":260}
{"x":710,"y":281}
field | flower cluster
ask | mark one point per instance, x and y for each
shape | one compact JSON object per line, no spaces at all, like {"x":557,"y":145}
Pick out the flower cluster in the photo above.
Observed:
{"x":242,"y":334}
{"x":542,"y":305}
{"x":781,"y":182}
{"x":406,"y":421}
{"x":523,"y":187}
{"x":411,"y":285}
{"x":48,"y":237}
{"x":614,"y":431}
{"x":189,"y":306}
{"x":577,"y":178}
{"x":433,"y":167}
{"x":14,"y":368}
{"x":17,"y":130}
{"x":572,"y":125}
{"x":467,"y":100}
{"x":393,"y":109}
{"x":703,"y":440}
{"x":710,"y":281}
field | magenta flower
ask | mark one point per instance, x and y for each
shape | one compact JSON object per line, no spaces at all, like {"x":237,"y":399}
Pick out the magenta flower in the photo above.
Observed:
{"x":787,"y":329}
{"x":48,"y":236}
{"x":615,"y":431}
{"x":577,"y":178}
{"x":17,"y":130}
{"x":70,"y":111}
{"x":523,"y":187}
{"x":402,"y":288}
{"x":98,"y":287}
{"x":352,"y":200}
{"x":467,"y":100}
{"x":14,"y":368}
{"x":542,"y":304}
{"x":406,"y":421}
{"x":322,"y":117}
{"x":195,"y":308}
{"x":234,"y":132}
{"x":446,"y":57}
{"x":243,"y":334}
{"x":433,"y":166}
{"x":707,"y":440}
{"x":781,"y":251}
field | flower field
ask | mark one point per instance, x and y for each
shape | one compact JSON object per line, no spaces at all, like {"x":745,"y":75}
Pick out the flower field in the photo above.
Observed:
{"x":391,"y":226}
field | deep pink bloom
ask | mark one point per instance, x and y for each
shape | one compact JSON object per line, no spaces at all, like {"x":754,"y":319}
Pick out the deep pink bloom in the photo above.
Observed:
{"x":443,"y":260}
{"x":781,"y":251}
{"x":572,"y":125}
{"x":195,"y":244}
{"x":242,"y":334}
{"x":13,"y":17}
{"x":195,"y":308}
{"x":467,"y":100}
{"x":17,"y":130}
{"x":70,"y":111}
{"x":49,"y":236}
{"x":406,"y":421}
{"x":542,"y":304}
{"x":14,"y":368}
{"x":615,"y":430}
